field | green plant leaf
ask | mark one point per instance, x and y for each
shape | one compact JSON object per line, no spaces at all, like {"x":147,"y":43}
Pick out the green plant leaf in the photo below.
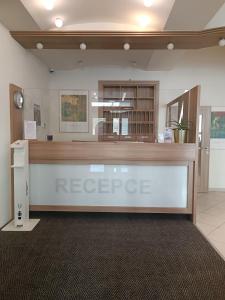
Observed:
{"x":183,"y":125}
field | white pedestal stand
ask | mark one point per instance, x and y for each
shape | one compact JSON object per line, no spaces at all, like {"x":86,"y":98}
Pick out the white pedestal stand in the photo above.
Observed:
{"x":21,"y":220}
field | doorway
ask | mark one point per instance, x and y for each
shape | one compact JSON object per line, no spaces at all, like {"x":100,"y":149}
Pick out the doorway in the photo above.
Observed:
{"x":204,"y":148}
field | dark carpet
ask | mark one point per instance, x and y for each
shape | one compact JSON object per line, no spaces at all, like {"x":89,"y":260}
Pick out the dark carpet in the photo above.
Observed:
{"x":110,"y":256}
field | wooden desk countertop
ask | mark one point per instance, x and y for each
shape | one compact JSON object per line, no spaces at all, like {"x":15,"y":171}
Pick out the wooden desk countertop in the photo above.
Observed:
{"x":94,"y":152}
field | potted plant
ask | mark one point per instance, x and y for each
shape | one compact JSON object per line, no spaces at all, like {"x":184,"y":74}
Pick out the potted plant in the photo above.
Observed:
{"x":180,"y":131}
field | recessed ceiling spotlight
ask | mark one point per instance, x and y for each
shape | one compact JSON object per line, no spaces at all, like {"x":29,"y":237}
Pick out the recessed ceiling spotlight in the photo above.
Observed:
{"x":148,"y":3}
{"x":39,"y":46}
{"x":144,"y":21}
{"x":221,"y":42}
{"x":58,"y":22}
{"x":49,"y":4}
{"x":170,"y":46}
{"x":126,"y":46}
{"x":83,"y":46}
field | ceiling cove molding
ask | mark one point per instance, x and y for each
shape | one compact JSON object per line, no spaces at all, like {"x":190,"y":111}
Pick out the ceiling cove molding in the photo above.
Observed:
{"x":115,"y":40}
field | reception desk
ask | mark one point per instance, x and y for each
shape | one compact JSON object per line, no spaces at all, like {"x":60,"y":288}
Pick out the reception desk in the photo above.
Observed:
{"x":112,"y":177}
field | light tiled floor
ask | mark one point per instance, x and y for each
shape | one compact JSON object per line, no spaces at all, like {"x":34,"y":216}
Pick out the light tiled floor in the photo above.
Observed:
{"x":211,"y":218}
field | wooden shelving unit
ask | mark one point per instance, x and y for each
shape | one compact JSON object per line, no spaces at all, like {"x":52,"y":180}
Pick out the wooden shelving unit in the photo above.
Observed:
{"x":129,"y":110}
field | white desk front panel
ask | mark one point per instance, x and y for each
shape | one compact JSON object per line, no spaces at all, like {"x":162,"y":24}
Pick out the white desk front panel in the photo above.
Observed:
{"x":109,"y":185}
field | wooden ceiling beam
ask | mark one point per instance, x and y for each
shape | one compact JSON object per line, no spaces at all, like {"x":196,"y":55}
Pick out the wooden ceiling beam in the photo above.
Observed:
{"x":115,"y":40}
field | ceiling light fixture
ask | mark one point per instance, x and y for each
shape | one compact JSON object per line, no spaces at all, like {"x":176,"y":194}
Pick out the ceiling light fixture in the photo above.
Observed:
{"x":148,"y":3}
{"x":144,"y":21}
{"x":49,"y":4}
{"x":170,"y":46}
{"x":221,"y":42}
{"x":83,"y":46}
{"x":39,"y":46}
{"x":126,"y":46}
{"x":58,"y":22}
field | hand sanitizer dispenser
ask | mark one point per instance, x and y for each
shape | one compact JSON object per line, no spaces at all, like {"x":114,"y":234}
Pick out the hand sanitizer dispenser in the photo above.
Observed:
{"x":19,"y":216}
{"x":21,"y":189}
{"x":21,"y":182}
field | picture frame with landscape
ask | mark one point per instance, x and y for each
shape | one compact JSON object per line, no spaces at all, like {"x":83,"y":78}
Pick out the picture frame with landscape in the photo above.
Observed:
{"x":73,"y":111}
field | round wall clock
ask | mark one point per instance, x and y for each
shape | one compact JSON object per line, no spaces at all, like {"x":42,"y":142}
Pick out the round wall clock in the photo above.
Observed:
{"x":19,"y":100}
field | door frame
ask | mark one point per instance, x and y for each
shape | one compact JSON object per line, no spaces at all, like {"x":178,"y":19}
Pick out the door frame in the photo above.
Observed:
{"x":12,"y":90}
{"x":203,"y":185}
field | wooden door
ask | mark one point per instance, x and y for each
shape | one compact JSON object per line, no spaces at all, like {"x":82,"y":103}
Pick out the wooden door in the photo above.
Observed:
{"x":204,"y":148}
{"x":16,"y":131}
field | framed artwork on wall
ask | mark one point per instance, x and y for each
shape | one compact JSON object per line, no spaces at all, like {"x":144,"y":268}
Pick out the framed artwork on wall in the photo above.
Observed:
{"x":218,"y":125}
{"x":37,"y":114}
{"x":217,"y":133}
{"x":74,"y":111}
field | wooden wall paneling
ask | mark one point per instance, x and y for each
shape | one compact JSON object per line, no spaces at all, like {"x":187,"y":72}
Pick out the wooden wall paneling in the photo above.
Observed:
{"x":114,"y":209}
{"x":16,"y":133}
{"x":195,"y":98}
{"x":115,"y":40}
{"x":47,"y":152}
{"x":156,"y":112}
{"x":185,"y":104}
{"x":16,"y":116}
{"x":194,"y":112}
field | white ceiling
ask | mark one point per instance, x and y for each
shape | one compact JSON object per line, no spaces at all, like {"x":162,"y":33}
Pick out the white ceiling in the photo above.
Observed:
{"x":218,"y":20}
{"x":15,"y":17}
{"x":192,"y":14}
{"x":122,"y":14}
{"x":112,"y":15}
{"x":72,"y":59}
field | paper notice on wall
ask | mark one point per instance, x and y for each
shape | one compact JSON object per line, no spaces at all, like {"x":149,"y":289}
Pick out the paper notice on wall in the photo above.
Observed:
{"x":124,"y":126}
{"x":30,"y":130}
{"x":116,"y":126}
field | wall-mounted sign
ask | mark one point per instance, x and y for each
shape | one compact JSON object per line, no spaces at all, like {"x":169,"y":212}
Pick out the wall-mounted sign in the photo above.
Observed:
{"x":30,"y":130}
{"x":109,"y":185}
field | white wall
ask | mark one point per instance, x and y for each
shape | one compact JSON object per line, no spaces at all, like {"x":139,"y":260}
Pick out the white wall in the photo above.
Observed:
{"x":204,"y":67}
{"x":19,"y":67}
{"x":39,"y":97}
{"x":217,"y":172}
